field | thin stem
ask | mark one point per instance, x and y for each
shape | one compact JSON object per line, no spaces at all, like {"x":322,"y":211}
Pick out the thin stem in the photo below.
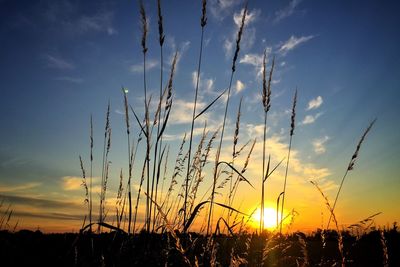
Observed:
{"x":284,"y":185}
{"x":192,"y":126}
{"x":336,"y":198}
{"x":218,"y":155}
{"x":91,"y":172}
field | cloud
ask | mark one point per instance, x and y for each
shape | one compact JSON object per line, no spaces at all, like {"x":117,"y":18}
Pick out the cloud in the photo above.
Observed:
{"x":70,"y":18}
{"x":182,"y":111}
{"x":205,"y":84}
{"x":18,"y":187}
{"x":239,"y":86}
{"x":315,"y":103}
{"x":50,"y":216}
{"x":74,"y":183}
{"x":183,"y":48}
{"x":219,"y":9}
{"x":255,"y":60}
{"x":319,"y":144}
{"x":249,"y":34}
{"x":309,"y":119}
{"x":138,"y":68}
{"x":255,"y":131}
{"x":252,"y":59}
{"x":286,"y":11}
{"x":71,"y":183}
{"x":69,"y":79}
{"x":39,"y":202}
{"x":100,"y":22}
{"x":293,"y":42}
{"x":58,"y":63}
{"x":251,"y":17}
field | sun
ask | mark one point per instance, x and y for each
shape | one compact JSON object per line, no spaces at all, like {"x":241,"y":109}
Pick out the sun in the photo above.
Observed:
{"x":270,"y":218}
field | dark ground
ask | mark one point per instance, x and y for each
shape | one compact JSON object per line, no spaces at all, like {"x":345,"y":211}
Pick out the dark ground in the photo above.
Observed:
{"x":27,"y":248}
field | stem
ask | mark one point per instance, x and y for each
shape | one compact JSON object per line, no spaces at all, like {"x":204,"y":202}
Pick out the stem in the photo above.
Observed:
{"x":337,"y":196}
{"x":91,"y":172}
{"x":158,"y":132}
{"x":192,"y":126}
{"x":284,"y":185}
{"x":218,"y":154}
{"x":263,"y":175}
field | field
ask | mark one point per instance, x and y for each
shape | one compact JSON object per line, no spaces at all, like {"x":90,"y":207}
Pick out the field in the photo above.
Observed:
{"x":183,"y":199}
{"x":143,"y":249}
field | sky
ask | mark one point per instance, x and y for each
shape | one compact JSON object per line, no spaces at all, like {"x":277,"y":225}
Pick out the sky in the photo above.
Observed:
{"x":62,"y":61}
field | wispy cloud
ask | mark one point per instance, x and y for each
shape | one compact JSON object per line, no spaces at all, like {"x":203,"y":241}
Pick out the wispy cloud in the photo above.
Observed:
{"x":100,"y":22}
{"x":315,"y":103}
{"x":58,"y":63}
{"x":249,"y":34}
{"x":38,"y":202}
{"x":319,"y":144}
{"x":74,"y":183}
{"x":293,"y":42}
{"x":205,"y":84}
{"x":221,"y":8}
{"x":309,"y":119}
{"x":240,"y":86}
{"x":138,"y":68}
{"x":286,"y":11}
{"x":18,"y":187}
{"x":50,"y":215}
{"x":255,"y":60}
{"x":251,"y":17}
{"x":68,"y":16}
{"x":182,"y":48}
{"x":69,"y":79}
{"x":181,"y":112}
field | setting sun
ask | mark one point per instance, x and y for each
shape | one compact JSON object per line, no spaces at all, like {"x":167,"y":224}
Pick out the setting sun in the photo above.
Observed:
{"x":270,"y":218}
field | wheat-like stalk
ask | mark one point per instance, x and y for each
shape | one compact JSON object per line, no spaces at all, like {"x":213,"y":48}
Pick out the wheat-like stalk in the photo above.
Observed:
{"x":292,"y":126}
{"x":203,"y":24}
{"x":238,"y":39}
{"x":91,"y":173}
{"x":266,"y":101}
{"x":330,"y":208}
{"x":351,"y":165}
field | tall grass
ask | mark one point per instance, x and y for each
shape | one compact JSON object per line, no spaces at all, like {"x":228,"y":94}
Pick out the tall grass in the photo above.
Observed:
{"x":203,"y":23}
{"x":266,"y":101}
{"x":235,"y":57}
{"x":292,"y":126}
{"x":350,"y":166}
{"x":180,"y":205}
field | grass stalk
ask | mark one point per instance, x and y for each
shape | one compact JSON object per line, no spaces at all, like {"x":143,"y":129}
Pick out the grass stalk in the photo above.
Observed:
{"x":266,"y":101}
{"x":292,"y":126}
{"x":203,"y":23}
{"x":157,"y":152}
{"x":129,"y":187}
{"x":235,"y":57}
{"x":350,"y":166}
{"x":91,"y":173}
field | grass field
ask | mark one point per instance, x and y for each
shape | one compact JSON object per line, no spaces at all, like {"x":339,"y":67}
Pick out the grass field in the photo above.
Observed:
{"x":185,"y":211}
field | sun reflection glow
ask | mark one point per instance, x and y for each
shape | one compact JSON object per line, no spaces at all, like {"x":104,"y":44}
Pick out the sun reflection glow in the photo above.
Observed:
{"x":271,"y":218}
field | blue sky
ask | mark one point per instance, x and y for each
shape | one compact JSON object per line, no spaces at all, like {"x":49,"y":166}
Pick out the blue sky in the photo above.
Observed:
{"x":63,"y":60}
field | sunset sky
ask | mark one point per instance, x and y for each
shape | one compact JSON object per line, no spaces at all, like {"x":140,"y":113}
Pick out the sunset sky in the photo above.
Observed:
{"x":61,"y":61}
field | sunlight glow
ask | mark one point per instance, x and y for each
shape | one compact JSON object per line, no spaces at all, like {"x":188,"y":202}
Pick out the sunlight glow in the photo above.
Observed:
{"x":270,"y":218}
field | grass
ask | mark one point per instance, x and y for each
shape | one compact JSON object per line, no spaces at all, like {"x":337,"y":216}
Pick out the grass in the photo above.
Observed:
{"x":161,"y":236}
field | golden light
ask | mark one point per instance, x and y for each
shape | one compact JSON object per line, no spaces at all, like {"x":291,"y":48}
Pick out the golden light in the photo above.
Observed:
{"x":270,"y":218}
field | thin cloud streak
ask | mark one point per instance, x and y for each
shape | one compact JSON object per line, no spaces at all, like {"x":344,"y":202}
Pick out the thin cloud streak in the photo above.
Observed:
{"x":58,"y":63}
{"x":287,"y":11}
{"x":293,"y":42}
{"x":309,"y":119}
